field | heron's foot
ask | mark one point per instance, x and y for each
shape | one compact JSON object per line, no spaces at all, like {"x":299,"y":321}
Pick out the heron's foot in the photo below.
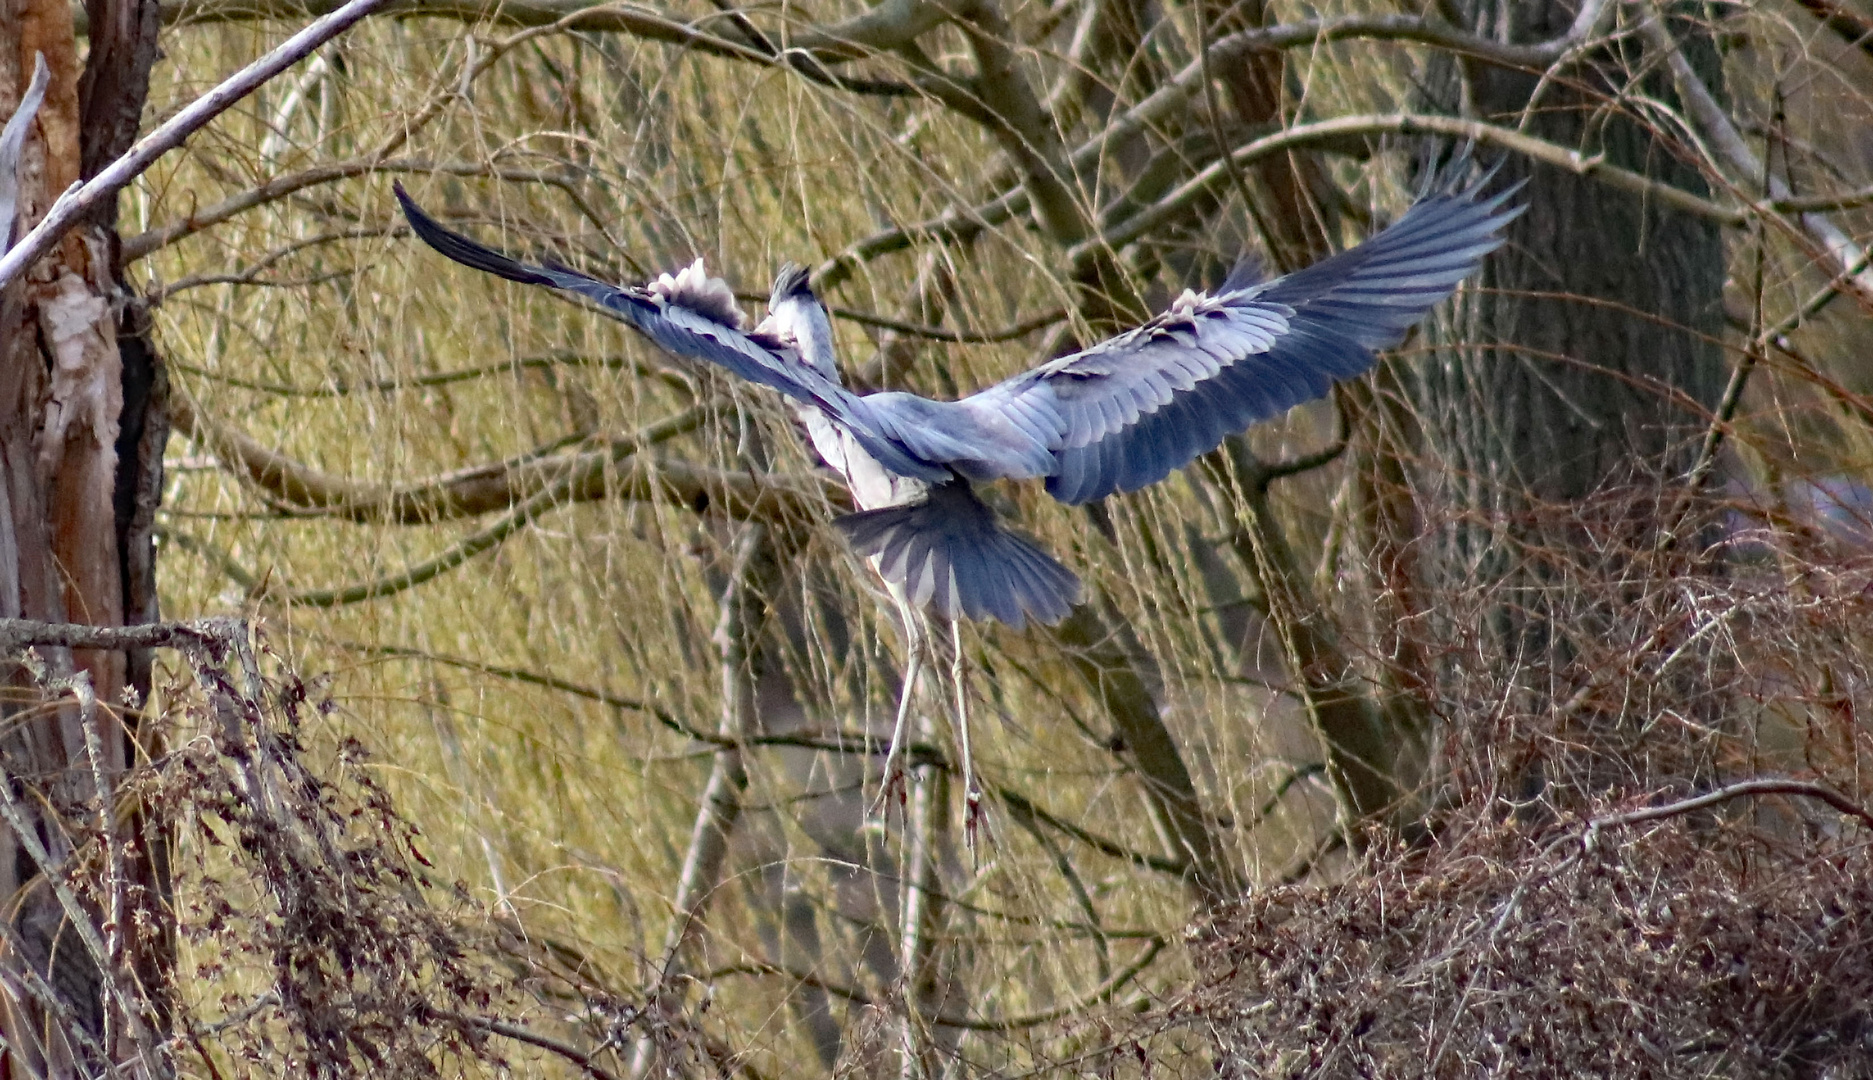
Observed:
{"x":894,"y":785}
{"x":973,"y":816}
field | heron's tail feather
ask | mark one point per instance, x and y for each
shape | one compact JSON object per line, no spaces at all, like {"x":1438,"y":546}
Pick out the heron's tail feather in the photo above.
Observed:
{"x":949,"y":551}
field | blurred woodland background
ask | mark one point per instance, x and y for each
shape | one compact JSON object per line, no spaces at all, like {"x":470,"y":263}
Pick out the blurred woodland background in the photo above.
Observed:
{"x":1503,"y":716}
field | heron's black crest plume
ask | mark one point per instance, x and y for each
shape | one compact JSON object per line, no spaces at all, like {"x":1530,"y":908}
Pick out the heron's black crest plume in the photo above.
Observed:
{"x":791,"y":281}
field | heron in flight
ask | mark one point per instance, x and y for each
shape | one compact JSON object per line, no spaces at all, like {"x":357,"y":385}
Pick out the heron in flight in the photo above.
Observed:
{"x":1115,"y":417}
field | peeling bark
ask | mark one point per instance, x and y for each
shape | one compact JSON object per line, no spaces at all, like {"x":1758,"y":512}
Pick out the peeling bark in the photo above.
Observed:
{"x":80,"y":467}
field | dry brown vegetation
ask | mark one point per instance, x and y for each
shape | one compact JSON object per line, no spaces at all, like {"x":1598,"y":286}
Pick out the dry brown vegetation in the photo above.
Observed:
{"x":543,"y":733}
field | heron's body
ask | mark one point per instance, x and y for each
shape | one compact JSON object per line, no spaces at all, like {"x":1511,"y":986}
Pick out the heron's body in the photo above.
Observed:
{"x":1112,"y":418}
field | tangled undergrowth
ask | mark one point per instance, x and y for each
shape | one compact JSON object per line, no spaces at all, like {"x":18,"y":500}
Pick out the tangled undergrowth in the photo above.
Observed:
{"x":1704,"y":945}
{"x":310,"y":934}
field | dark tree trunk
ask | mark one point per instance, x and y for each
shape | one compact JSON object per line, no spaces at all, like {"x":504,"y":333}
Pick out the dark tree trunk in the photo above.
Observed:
{"x":1553,"y":438}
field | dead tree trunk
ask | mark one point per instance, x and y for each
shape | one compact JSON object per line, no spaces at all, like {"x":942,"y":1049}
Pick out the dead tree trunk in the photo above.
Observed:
{"x":82,"y":428}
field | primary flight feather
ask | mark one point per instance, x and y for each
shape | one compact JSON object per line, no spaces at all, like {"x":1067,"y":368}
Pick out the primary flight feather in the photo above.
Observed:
{"x":1122,"y":414}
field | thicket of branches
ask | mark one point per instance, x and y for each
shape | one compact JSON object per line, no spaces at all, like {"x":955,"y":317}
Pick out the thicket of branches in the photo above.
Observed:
{"x":1354,"y":693}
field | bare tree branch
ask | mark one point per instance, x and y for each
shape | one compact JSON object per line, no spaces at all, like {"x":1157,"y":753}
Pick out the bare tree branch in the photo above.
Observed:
{"x":586,"y":476}
{"x":879,"y":29}
{"x":1354,"y":737}
{"x":960,"y":337}
{"x":1100,"y":994}
{"x":82,"y":199}
{"x":836,"y":742}
{"x":720,"y":806}
{"x":1746,"y":789}
{"x":1852,"y":27}
{"x":483,"y":539}
{"x":12,"y":139}
{"x":507,"y":1030}
{"x":213,"y":633}
{"x":951,"y":226}
{"x":154,"y":239}
{"x":1848,"y":257}
{"x":1025,"y":807}
{"x":1169,"y":790}
{"x":1024,"y":129}
{"x":1173,"y":100}
{"x":466,"y":492}
{"x":1325,"y":132}
{"x":540,"y":362}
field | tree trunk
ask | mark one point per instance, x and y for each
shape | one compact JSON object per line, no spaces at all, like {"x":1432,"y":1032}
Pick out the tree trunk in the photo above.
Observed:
{"x":82,"y":428}
{"x":1553,"y":438}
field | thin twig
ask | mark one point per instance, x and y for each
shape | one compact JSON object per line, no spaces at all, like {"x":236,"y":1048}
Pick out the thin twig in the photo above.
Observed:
{"x":1270,"y":471}
{"x":520,"y":1033}
{"x":836,"y":742}
{"x":1096,"y":996}
{"x":1341,"y":128}
{"x":1020,"y":804}
{"x":279,"y":187}
{"x":960,"y":337}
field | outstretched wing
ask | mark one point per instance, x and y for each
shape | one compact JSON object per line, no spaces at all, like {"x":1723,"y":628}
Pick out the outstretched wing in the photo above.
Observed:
{"x":1147,"y":402}
{"x":692,"y":315}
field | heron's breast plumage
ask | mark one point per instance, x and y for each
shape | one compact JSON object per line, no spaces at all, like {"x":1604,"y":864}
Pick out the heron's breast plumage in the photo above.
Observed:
{"x":872,"y":485}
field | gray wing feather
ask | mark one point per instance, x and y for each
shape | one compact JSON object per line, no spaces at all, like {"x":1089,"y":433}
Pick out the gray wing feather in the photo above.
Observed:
{"x":1145,"y":403}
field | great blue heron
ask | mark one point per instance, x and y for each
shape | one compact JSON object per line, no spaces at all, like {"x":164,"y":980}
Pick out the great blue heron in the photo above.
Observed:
{"x":1114,"y":417}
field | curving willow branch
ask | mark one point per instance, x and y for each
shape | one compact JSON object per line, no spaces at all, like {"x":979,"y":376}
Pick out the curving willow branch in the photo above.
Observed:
{"x":1171,"y":100}
{"x":524,"y":488}
{"x":521,"y":1033}
{"x":1743,"y":789}
{"x":470,"y":492}
{"x":1847,"y":256}
{"x":556,"y":358}
{"x":739,"y":495}
{"x":486,"y":488}
{"x":154,"y":239}
{"x":1338,"y":129}
{"x":1012,"y":332}
{"x":996,"y":99}
{"x":836,"y":742}
{"x":483,"y":539}
{"x":1099,"y":995}
{"x":887,"y":26}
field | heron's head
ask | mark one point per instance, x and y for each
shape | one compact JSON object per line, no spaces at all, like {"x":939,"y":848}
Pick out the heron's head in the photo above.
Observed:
{"x":796,"y":315}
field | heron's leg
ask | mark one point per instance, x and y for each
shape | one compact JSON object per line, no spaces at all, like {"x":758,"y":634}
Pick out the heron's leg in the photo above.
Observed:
{"x":893,"y":779}
{"x":972,"y":795}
